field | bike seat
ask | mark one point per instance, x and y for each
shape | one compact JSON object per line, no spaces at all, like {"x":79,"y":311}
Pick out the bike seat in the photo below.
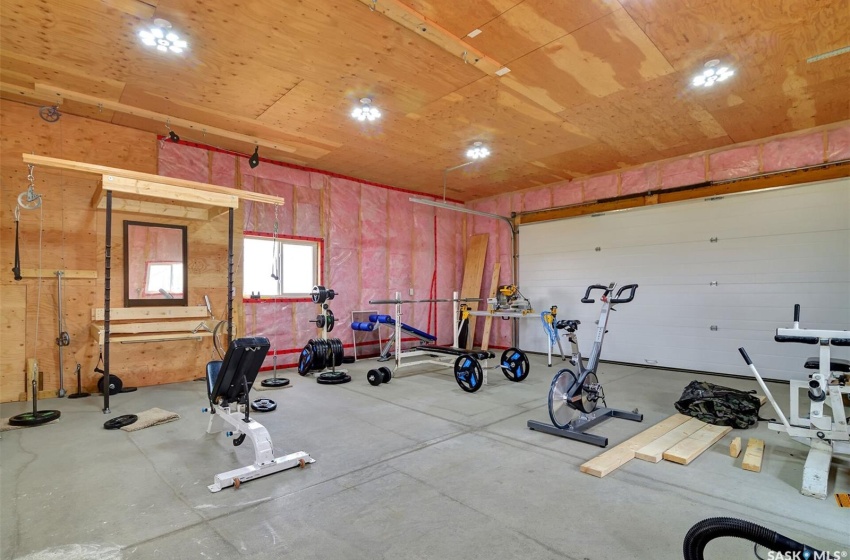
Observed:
{"x":835,"y":364}
{"x":569,"y":324}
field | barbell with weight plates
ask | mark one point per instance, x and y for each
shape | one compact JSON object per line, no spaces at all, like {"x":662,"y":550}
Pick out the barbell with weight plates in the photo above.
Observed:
{"x":319,"y":354}
{"x":320,"y":294}
{"x":325,"y":321}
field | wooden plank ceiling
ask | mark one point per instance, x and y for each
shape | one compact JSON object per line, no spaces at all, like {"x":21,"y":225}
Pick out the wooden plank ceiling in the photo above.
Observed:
{"x":593,"y":84}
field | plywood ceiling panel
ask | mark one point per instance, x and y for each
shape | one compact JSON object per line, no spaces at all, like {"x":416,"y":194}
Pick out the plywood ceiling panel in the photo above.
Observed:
{"x":593,"y":84}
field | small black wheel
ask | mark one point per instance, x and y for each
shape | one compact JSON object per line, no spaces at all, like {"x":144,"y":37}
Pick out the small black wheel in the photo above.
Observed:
{"x":514,"y":364}
{"x":374,"y":377}
{"x":468,"y":373}
{"x":120,"y":421}
{"x":387,"y":374}
{"x":34,"y":419}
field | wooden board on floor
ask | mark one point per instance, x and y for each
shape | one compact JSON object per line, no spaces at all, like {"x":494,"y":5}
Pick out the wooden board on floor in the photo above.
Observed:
{"x":13,"y":318}
{"x":473,"y":272}
{"x":488,"y":321}
{"x":692,"y":447}
{"x":735,"y":447}
{"x":618,"y":456}
{"x":654,"y":450}
{"x":753,"y":455}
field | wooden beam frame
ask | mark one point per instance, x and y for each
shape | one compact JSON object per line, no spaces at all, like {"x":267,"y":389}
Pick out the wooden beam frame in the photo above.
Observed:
{"x":705,"y":190}
{"x":45,"y":161}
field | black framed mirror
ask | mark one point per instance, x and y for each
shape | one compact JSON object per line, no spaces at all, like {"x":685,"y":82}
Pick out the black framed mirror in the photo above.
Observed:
{"x":156,"y":261}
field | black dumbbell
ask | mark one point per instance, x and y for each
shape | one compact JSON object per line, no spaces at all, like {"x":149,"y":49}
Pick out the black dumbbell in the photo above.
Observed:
{"x":381,"y":375}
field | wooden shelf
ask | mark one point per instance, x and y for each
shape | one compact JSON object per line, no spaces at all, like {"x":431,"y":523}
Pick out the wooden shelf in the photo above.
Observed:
{"x":151,"y":324}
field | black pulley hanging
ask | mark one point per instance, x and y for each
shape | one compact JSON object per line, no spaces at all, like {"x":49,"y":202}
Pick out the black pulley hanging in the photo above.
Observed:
{"x":120,"y":421}
{"x":263,"y":405}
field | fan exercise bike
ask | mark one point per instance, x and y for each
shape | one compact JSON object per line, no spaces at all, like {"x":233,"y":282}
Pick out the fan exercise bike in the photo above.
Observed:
{"x":574,"y":396}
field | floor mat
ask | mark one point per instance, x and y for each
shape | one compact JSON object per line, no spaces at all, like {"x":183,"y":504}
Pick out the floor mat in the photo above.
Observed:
{"x":151,"y":417}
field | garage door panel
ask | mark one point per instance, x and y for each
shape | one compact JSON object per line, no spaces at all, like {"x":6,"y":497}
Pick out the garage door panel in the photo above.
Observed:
{"x":774,"y":249}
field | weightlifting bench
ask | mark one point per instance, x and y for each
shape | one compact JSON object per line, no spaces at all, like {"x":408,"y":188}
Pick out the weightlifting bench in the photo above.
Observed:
{"x":229,"y":383}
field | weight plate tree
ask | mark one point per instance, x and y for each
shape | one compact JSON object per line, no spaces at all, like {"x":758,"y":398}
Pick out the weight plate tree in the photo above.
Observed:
{"x":514,"y":364}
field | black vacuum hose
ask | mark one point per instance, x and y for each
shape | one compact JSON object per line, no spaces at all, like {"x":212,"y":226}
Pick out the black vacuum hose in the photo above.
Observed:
{"x":707,"y":530}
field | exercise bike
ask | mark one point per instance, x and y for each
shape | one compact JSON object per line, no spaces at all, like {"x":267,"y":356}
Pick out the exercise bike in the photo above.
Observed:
{"x":574,"y":396}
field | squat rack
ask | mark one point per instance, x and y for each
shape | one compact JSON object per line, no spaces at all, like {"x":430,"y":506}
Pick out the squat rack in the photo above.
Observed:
{"x":144,"y":193}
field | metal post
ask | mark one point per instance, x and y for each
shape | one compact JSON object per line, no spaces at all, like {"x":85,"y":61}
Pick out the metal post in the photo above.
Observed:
{"x":229,"y":276}
{"x":62,"y":339}
{"x":106,"y":289}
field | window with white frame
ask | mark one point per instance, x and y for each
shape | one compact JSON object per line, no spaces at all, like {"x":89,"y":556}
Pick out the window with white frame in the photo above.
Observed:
{"x":280,"y":267}
{"x":164,"y":278}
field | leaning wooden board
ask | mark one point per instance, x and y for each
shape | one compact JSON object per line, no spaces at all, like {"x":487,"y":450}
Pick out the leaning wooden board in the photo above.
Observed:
{"x":473,"y":275}
{"x":488,"y":321}
{"x":618,"y":456}
{"x":691,"y":447}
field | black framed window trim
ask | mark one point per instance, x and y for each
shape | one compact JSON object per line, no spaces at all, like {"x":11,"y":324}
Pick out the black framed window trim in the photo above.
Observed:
{"x":177,"y":300}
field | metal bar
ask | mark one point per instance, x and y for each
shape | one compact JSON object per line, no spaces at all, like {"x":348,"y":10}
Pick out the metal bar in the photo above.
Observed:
{"x":229,"y":276}
{"x":107,"y":286}
{"x":60,"y":340}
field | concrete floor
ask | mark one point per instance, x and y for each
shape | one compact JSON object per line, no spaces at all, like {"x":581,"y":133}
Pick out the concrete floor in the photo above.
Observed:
{"x":412,"y":469}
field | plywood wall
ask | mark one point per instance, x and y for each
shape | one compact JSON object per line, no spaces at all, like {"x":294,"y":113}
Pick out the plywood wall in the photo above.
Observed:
{"x":73,"y":238}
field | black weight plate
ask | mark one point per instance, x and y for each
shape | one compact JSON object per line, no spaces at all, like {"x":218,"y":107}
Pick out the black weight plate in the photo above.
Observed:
{"x":331,"y":320}
{"x":305,"y":360}
{"x":320,"y":321}
{"x":263,"y":405}
{"x":329,"y":378}
{"x":468,"y":373}
{"x":79,"y":395}
{"x":120,"y":421}
{"x":374,"y":377}
{"x":36,"y":419}
{"x":115,"y":384}
{"x":348,"y":359}
{"x":275,"y":382}
{"x":514,"y":364}
{"x":318,"y":294}
{"x":387,"y":373}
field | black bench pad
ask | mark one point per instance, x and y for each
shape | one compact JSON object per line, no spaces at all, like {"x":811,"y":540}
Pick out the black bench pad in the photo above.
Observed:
{"x":835,"y":364}
{"x":244,"y":358}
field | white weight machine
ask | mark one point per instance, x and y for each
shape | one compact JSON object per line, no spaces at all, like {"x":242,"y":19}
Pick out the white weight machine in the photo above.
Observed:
{"x":825,"y":432}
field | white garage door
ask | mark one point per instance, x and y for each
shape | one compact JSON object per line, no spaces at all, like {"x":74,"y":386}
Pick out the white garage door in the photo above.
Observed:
{"x":714,"y":275}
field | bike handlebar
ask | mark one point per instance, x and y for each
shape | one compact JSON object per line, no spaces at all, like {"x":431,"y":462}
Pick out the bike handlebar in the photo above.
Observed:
{"x":745,"y":356}
{"x":632,"y":289}
{"x":586,"y":298}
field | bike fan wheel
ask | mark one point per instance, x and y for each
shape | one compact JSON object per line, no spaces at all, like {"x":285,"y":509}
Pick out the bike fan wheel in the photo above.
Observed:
{"x":561,"y":410}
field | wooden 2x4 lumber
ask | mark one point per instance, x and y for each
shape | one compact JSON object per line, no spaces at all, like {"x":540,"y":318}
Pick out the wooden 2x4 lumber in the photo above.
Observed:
{"x":618,"y":456}
{"x":654,"y":451}
{"x":20,"y":91}
{"x":473,"y":275}
{"x":693,"y":446}
{"x":128,"y":174}
{"x":753,"y":455}
{"x":66,"y":274}
{"x":59,"y":93}
{"x":419,"y":24}
{"x":156,"y":208}
{"x":154,"y":327}
{"x":168,"y":192}
{"x":142,"y":313}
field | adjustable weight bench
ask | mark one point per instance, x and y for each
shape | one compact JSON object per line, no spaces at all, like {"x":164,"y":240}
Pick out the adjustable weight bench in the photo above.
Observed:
{"x":228,"y":385}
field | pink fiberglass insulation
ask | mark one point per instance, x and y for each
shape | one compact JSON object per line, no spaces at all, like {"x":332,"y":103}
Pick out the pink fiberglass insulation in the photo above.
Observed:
{"x":183,"y":162}
{"x":598,"y":188}
{"x":537,"y":199}
{"x":307,"y":202}
{"x":399,"y":244}
{"x":738,"y":162}
{"x":639,"y":180}
{"x":265,"y":215}
{"x":790,"y":153}
{"x":343,"y":248}
{"x":304,"y":330}
{"x":838,"y":144}
{"x":683,"y":172}
{"x":223,"y":170}
{"x":567,"y":193}
{"x":272,"y":320}
{"x":373,"y":244}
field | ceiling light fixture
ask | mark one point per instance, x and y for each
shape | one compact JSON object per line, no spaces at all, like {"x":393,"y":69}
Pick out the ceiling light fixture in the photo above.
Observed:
{"x":712,"y":74}
{"x":162,"y":37}
{"x":477,"y":151}
{"x":366,"y":112}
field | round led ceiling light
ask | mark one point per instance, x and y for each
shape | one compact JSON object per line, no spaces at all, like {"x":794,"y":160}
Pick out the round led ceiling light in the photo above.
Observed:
{"x":477,"y":151}
{"x":713,"y":73}
{"x":366,"y":112}
{"x":161,"y":36}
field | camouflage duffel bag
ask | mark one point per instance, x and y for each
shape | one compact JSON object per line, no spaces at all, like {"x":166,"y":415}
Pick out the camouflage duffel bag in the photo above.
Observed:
{"x":718,"y":405}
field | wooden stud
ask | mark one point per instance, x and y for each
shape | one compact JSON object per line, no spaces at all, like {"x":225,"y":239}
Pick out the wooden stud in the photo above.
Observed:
{"x":160,"y":209}
{"x":653,"y":451}
{"x":142,"y":313}
{"x":168,"y":192}
{"x":618,"y":456}
{"x":473,"y":272}
{"x":753,"y":455}
{"x":154,"y":327}
{"x":735,"y":447}
{"x":488,"y":321}
{"x":692,"y":447}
